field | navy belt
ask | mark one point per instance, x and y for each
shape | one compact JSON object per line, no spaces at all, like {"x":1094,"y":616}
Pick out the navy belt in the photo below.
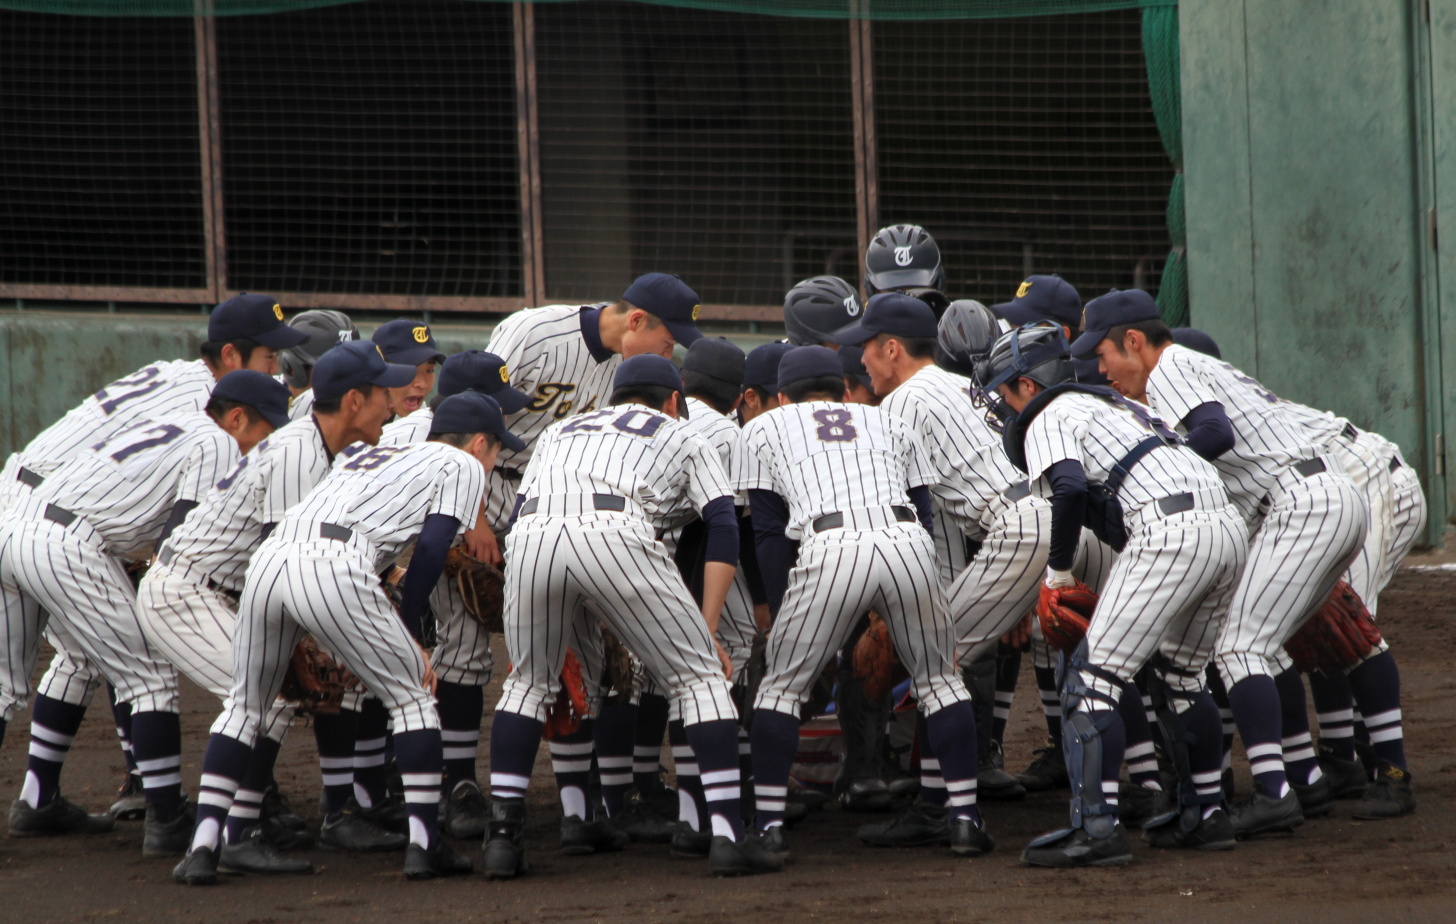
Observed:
{"x":599,"y":501}
{"x":1350,"y":433}
{"x":59,"y":515}
{"x":26,"y":476}
{"x":1176,"y":503}
{"x":836,"y":520}
{"x":1017,"y":491}
{"x":334,"y":531}
{"x":1310,"y":467}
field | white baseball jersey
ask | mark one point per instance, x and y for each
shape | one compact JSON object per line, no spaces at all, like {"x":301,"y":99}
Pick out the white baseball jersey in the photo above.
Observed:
{"x":1268,"y":441}
{"x":404,"y":431}
{"x":219,"y":537}
{"x":301,"y":405}
{"x":825,"y":457}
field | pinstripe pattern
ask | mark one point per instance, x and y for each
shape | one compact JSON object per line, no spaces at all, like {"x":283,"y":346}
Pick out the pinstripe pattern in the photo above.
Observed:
{"x":1408,"y":519}
{"x":1001,"y":583}
{"x":301,"y":406}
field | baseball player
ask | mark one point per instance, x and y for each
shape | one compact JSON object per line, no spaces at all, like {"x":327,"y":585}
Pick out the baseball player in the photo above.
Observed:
{"x":244,"y":332}
{"x":583,"y":550}
{"x":63,"y":561}
{"x":817,"y":308}
{"x":978,"y":495}
{"x":1309,"y":523}
{"x":325,"y":330}
{"x":188,"y":601}
{"x":316,"y":573}
{"x":760,"y":381}
{"x":849,"y":482}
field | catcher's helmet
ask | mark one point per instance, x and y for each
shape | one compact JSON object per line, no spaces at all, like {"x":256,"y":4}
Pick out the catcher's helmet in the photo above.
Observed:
{"x":966,"y":332}
{"x":324,"y":329}
{"x":902,"y":256}
{"x":1036,"y":351}
{"x":815,"y":308}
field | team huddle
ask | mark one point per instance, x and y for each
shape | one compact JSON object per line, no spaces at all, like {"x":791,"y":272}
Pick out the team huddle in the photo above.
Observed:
{"x":889,"y":510}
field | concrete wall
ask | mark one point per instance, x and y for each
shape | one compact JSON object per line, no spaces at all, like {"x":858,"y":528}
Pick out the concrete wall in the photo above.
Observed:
{"x":1307,"y":162}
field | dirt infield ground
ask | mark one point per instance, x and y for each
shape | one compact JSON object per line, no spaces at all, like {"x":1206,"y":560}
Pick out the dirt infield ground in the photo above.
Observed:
{"x":1333,"y":869}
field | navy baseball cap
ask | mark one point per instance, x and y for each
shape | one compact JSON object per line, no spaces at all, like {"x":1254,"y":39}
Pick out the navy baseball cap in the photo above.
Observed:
{"x":718,"y":358}
{"x":1118,"y":307}
{"x":1089,"y":372}
{"x":252,"y":317}
{"x":808,"y":362}
{"x":1042,"y":298}
{"x":479,"y":371}
{"x":472,"y":412}
{"x":407,"y":342}
{"x":262,"y":393}
{"x":851,"y":360}
{"x":892,"y":313}
{"x":358,"y":362}
{"x":647,"y":369}
{"x":1195,"y":339}
{"x":761,"y":367}
{"x":668,"y":299}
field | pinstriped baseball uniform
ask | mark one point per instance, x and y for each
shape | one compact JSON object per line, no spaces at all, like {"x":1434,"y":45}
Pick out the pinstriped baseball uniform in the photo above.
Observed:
{"x":823,"y":458}
{"x":70,"y":537}
{"x":1170,"y":586}
{"x":1408,"y":516}
{"x":976,"y":492}
{"x":301,"y":405}
{"x":549,"y":360}
{"x":1315,"y":520}
{"x":302,"y":581}
{"x":570,"y":564}
{"x":188,"y":603}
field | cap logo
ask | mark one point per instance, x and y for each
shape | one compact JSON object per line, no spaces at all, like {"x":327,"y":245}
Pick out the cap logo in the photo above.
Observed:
{"x":380,"y":352}
{"x":505,"y":375}
{"x":278,"y":312}
{"x":1022,"y":289}
{"x":344,"y":336}
{"x":422,"y":334}
{"x":851,"y":306}
{"x":696,"y":309}
{"x":902,"y":256}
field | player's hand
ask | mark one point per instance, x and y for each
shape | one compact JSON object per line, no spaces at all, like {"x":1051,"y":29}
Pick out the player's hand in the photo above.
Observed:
{"x":724,"y":660}
{"x":1020,"y":633}
{"x":481,"y":544}
{"x":761,"y":618}
{"x":432,"y":680}
{"x":1055,"y":579}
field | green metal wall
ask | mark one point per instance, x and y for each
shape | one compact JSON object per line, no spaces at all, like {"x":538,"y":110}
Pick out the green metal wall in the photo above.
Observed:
{"x":1306,"y":132}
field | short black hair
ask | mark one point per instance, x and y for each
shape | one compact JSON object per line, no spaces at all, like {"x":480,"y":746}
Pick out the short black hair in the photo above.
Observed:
{"x":217,"y":408}
{"x":831,"y":387}
{"x":917,"y":347}
{"x":1156,"y":330}
{"x":654,"y":396}
{"x":211,"y":350}
{"x":461,"y":440}
{"x":332,"y":405}
{"x":714,"y":392}
{"x":434,"y":401}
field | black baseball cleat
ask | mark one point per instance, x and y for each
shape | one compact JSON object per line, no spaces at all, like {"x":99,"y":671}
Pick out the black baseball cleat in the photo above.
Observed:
{"x":1347,"y":777}
{"x":690,"y":844}
{"x":968,"y":838}
{"x":744,"y":858}
{"x":277,"y":809}
{"x":168,"y":835}
{"x":1315,"y":799}
{"x":642,"y":823}
{"x":1074,"y":848}
{"x":775,"y":841}
{"x":993,"y":783}
{"x":465,"y":811}
{"x":579,"y":838}
{"x":867,"y":795}
{"x":280,"y":836}
{"x":443,"y":860}
{"x":351,"y":829}
{"x":1216,"y":832}
{"x":1390,"y":796}
{"x":57,"y":817}
{"x":199,"y":867}
{"x":1260,"y":814}
{"x":252,"y":854}
{"x":920,"y":825}
{"x":390,"y":813}
{"x":1138,"y":805}
{"x":1047,"y":771}
{"x":131,"y":801}
{"x":504,"y":854}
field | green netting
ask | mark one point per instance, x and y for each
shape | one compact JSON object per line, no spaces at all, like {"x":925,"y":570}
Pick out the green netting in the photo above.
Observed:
{"x":1160,"y":50}
{"x":832,"y":9}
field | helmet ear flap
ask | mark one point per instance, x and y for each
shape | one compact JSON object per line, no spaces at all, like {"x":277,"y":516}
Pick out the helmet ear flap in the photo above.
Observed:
{"x":295,"y":373}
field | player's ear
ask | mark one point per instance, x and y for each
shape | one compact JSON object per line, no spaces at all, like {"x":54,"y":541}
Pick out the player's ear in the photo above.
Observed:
{"x":673,"y":406}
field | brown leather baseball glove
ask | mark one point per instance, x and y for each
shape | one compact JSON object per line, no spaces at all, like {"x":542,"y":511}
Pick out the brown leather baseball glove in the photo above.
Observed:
{"x":619,"y":668}
{"x":873,"y":660}
{"x":482,"y":587}
{"x":1336,"y":638}
{"x":1064,"y":614}
{"x":571,"y":701}
{"x":315,"y":682}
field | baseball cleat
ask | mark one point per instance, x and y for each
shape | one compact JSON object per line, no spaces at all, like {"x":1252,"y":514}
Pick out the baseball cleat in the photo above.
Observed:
{"x":1260,"y":814}
{"x":465,"y":811}
{"x":870,"y":795}
{"x":744,"y":858}
{"x":57,"y":817}
{"x":277,"y":809}
{"x":1139,"y":805}
{"x":1216,"y":832}
{"x":421,"y":863}
{"x":1315,"y":799}
{"x":1076,"y":848}
{"x":131,"y":802}
{"x":642,"y":823}
{"x":995,"y":784}
{"x":254,"y":855}
{"x":690,"y":844}
{"x":504,"y":855}
{"x":1047,"y":771}
{"x":1347,"y":777}
{"x":199,"y":867}
{"x":968,"y":837}
{"x":579,"y":838}
{"x":1390,"y":796}
{"x":390,"y":813}
{"x":920,"y":825}
{"x":775,"y":841}
{"x":168,"y":837}
{"x":351,"y":829}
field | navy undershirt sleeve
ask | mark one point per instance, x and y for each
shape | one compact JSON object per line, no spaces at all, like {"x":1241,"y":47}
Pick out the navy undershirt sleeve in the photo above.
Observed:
{"x":1069,"y":511}
{"x":425,"y":568}
{"x":920,"y":497}
{"x":179,"y":513}
{"x":721,"y":518}
{"x":776,"y":552}
{"x":748,"y":561}
{"x":1210,"y":434}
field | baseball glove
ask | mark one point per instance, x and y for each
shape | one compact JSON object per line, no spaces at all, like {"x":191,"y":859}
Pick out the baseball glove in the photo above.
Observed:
{"x":315,"y":682}
{"x":873,"y":659}
{"x":1064,"y":614}
{"x":619,"y":668}
{"x":571,"y":701}
{"x":482,"y":587}
{"x":1336,"y":638}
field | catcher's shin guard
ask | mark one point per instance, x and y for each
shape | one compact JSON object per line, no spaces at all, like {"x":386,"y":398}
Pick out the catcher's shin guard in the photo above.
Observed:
{"x":1179,"y":740}
{"x":1082,"y":731}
